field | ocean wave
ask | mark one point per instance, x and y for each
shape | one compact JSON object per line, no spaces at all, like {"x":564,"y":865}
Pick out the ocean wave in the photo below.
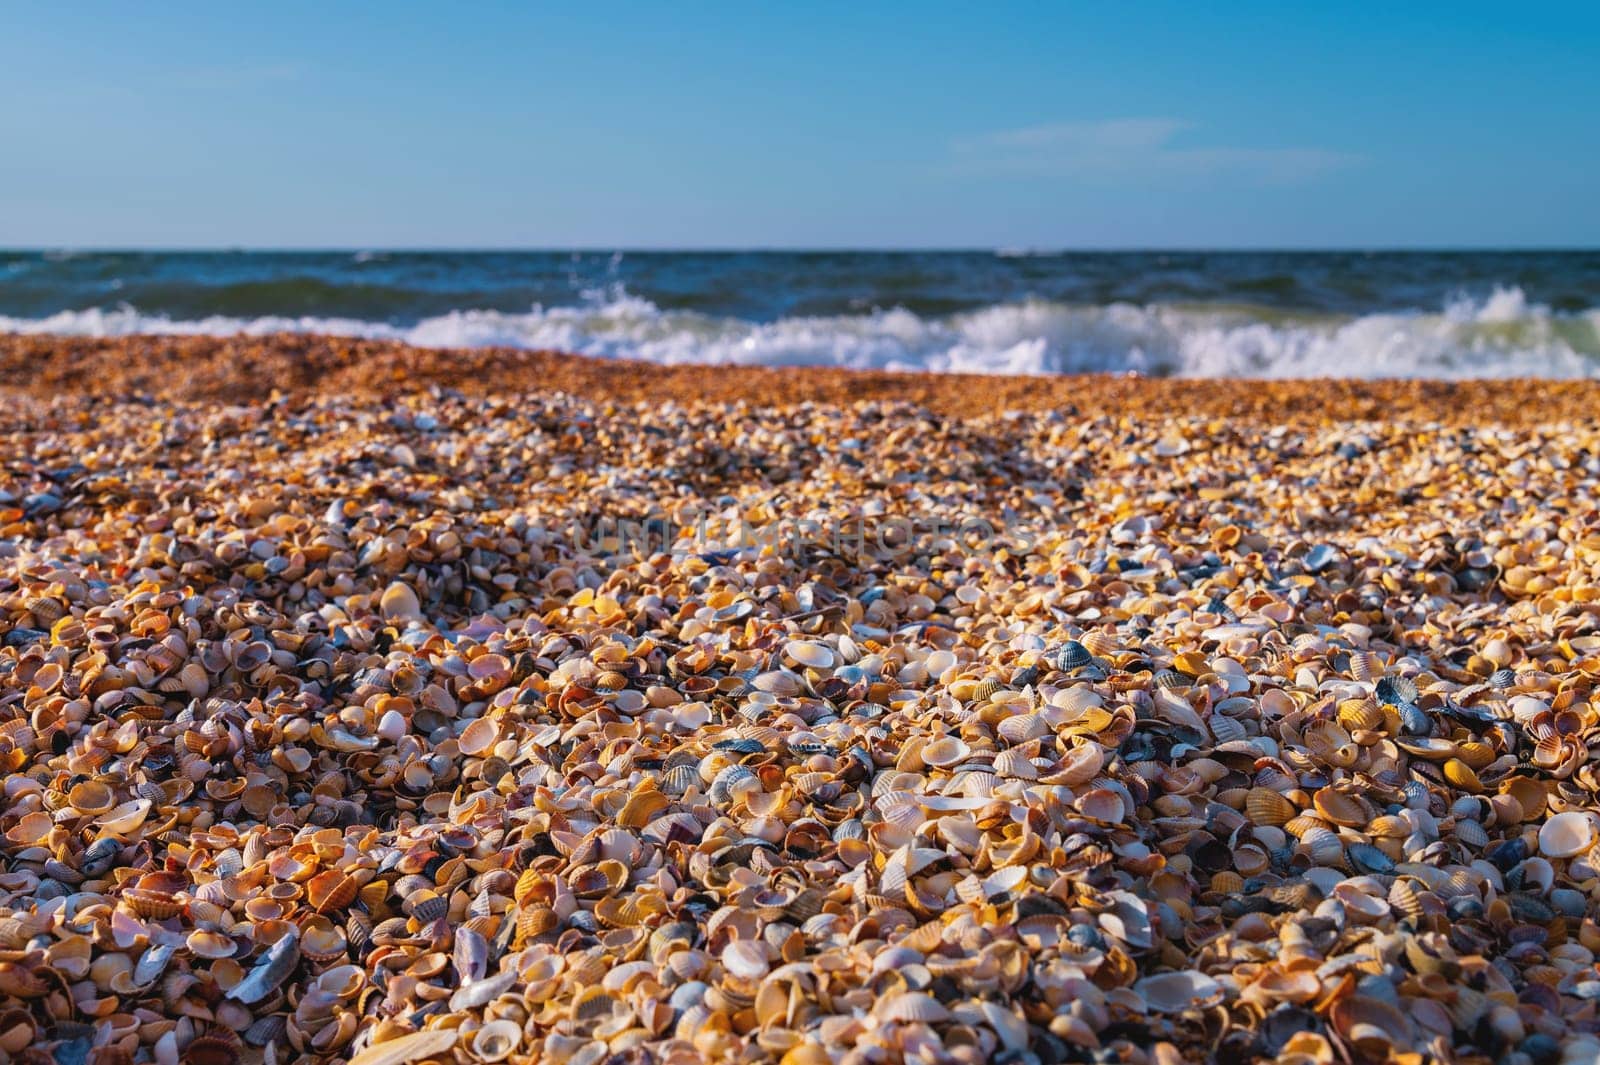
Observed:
{"x":1500,"y":335}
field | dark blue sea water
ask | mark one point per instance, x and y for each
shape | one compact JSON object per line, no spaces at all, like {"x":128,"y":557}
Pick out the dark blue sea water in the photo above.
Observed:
{"x":1194,"y":313}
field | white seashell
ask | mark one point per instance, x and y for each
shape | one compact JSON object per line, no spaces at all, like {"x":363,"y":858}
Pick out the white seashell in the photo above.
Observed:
{"x":392,"y":726}
{"x":1567,"y":834}
{"x":399,"y":603}
{"x":812,"y":655}
{"x":1178,"y":992}
{"x":496,"y":1040}
{"x":746,"y":959}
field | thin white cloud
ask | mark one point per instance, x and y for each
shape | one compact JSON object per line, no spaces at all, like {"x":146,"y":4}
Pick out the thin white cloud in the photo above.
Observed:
{"x":1122,"y":147}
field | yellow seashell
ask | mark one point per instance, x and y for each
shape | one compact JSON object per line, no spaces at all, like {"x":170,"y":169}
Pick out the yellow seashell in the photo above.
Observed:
{"x":1461,"y":775}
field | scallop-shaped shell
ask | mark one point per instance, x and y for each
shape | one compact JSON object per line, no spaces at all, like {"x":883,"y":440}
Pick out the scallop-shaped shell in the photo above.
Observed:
{"x":1171,"y":680}
{"x":1012,"y":763}
{"x":1396,"y":689}
{"x":1388,"y":826}
{"x":1428,"y":747}
{"x":429,"y":908}
{"x":1226,"y":729}
{"x":1360,"y":714}
{"x":91,"y":797}
{"x":1471,"y":834}
{"x":678,"y":779}
{"x":204,"y":944}
{"x":779,"y":682}
{"x":1567,"y":835}
{"x":496,"y":1041}
{"x":1461,"y":775}
{"x":945,"y":752}
{"x":1102,"y":804}
{"x":913,"y":1007}
{"x":151,"y":903}
{"x":1405,"y":897}
{"x":1323,"y":846}
{"x":1366,"y":858}
{"x":1178,"y":992}
{"x":1341,"y":807}
{"x":745,"y":959}
{"x":731,"y":780}
{"x":809,"y":654}
{"x":478,"y":736}
{"x":123,"y":819}
{"x":983,"y":690}
{"x":1073,"y":656}
{"x":1020,"y":728}
{"x":212,"y":1049}
{"x":1265,"y":806}
{"x":331,"y":891}
{"x":322,"y":941}
{"x":1371,"y":1026}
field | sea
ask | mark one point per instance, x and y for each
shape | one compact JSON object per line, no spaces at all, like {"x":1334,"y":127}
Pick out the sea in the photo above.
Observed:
{"x":1011,"y":310}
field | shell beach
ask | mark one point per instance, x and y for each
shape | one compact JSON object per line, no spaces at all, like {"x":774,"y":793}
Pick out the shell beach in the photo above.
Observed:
{"x":1092,"y":720}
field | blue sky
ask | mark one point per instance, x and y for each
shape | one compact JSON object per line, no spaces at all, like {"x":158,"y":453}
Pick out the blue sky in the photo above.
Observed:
{"x":818,"y":125}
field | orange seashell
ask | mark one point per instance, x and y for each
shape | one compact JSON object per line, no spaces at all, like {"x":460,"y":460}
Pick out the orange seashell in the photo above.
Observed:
{"x":1265,"y":806}
{"x":535,"y":921}
{"x":146,"y":902}
{"x":1341,"y":807}
{"x":331,"y":890}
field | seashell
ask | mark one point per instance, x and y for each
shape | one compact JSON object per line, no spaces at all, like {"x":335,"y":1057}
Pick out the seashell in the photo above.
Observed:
{"x":984,"y":690}
{"x":124,"y":819}
{"x":1566,"y":835}
{"x":1360,"y":714}
{"x":1406,"y":898}
{"x":212,"y":1049}
{"x":1178,"y":992}
{"x":1366,"y":858}
{"x":1460,"y":774}
{"x":912,"y":1007}
{"x":331,"y":891}
{"x":1171,"y":680}
{"x":429,"y":907}
{"x":1011,"y":763}
{"x":1395,"y":690}
{"x":399,"y":603}
{"x":1267,"y":807}
{"x":271,"y":969}
{"x":945,"y":752}
{"x":479,"y":735}
{"x":1370,"y":1026}
{"x":745,"y":959}
{"x":91,"y":797}
{"x":322,"y":941}
{"x":205,"y":944}
{"x":1341,"y":807}
{"x":496,"y":1041}
{"x":593,"y":1003}
{"x":1072,"y":656}
{"x":408,"y":1048}
{"x":151,"y":903}
{"x":1020,"y":728}
{"x":809,"y":654}
{"x":99,"y":857}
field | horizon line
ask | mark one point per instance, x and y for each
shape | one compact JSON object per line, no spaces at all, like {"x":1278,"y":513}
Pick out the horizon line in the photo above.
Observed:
{"x":1019,"y":251}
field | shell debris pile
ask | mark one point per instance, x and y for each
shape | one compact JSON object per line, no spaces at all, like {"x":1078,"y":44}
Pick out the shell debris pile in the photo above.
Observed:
{"x":328,"y":737}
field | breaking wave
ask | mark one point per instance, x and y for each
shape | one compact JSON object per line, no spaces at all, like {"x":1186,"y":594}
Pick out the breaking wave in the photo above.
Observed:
{"x":1502,"y":334}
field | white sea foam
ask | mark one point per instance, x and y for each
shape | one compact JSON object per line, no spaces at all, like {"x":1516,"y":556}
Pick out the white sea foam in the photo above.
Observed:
{"x":1501,"y":335}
